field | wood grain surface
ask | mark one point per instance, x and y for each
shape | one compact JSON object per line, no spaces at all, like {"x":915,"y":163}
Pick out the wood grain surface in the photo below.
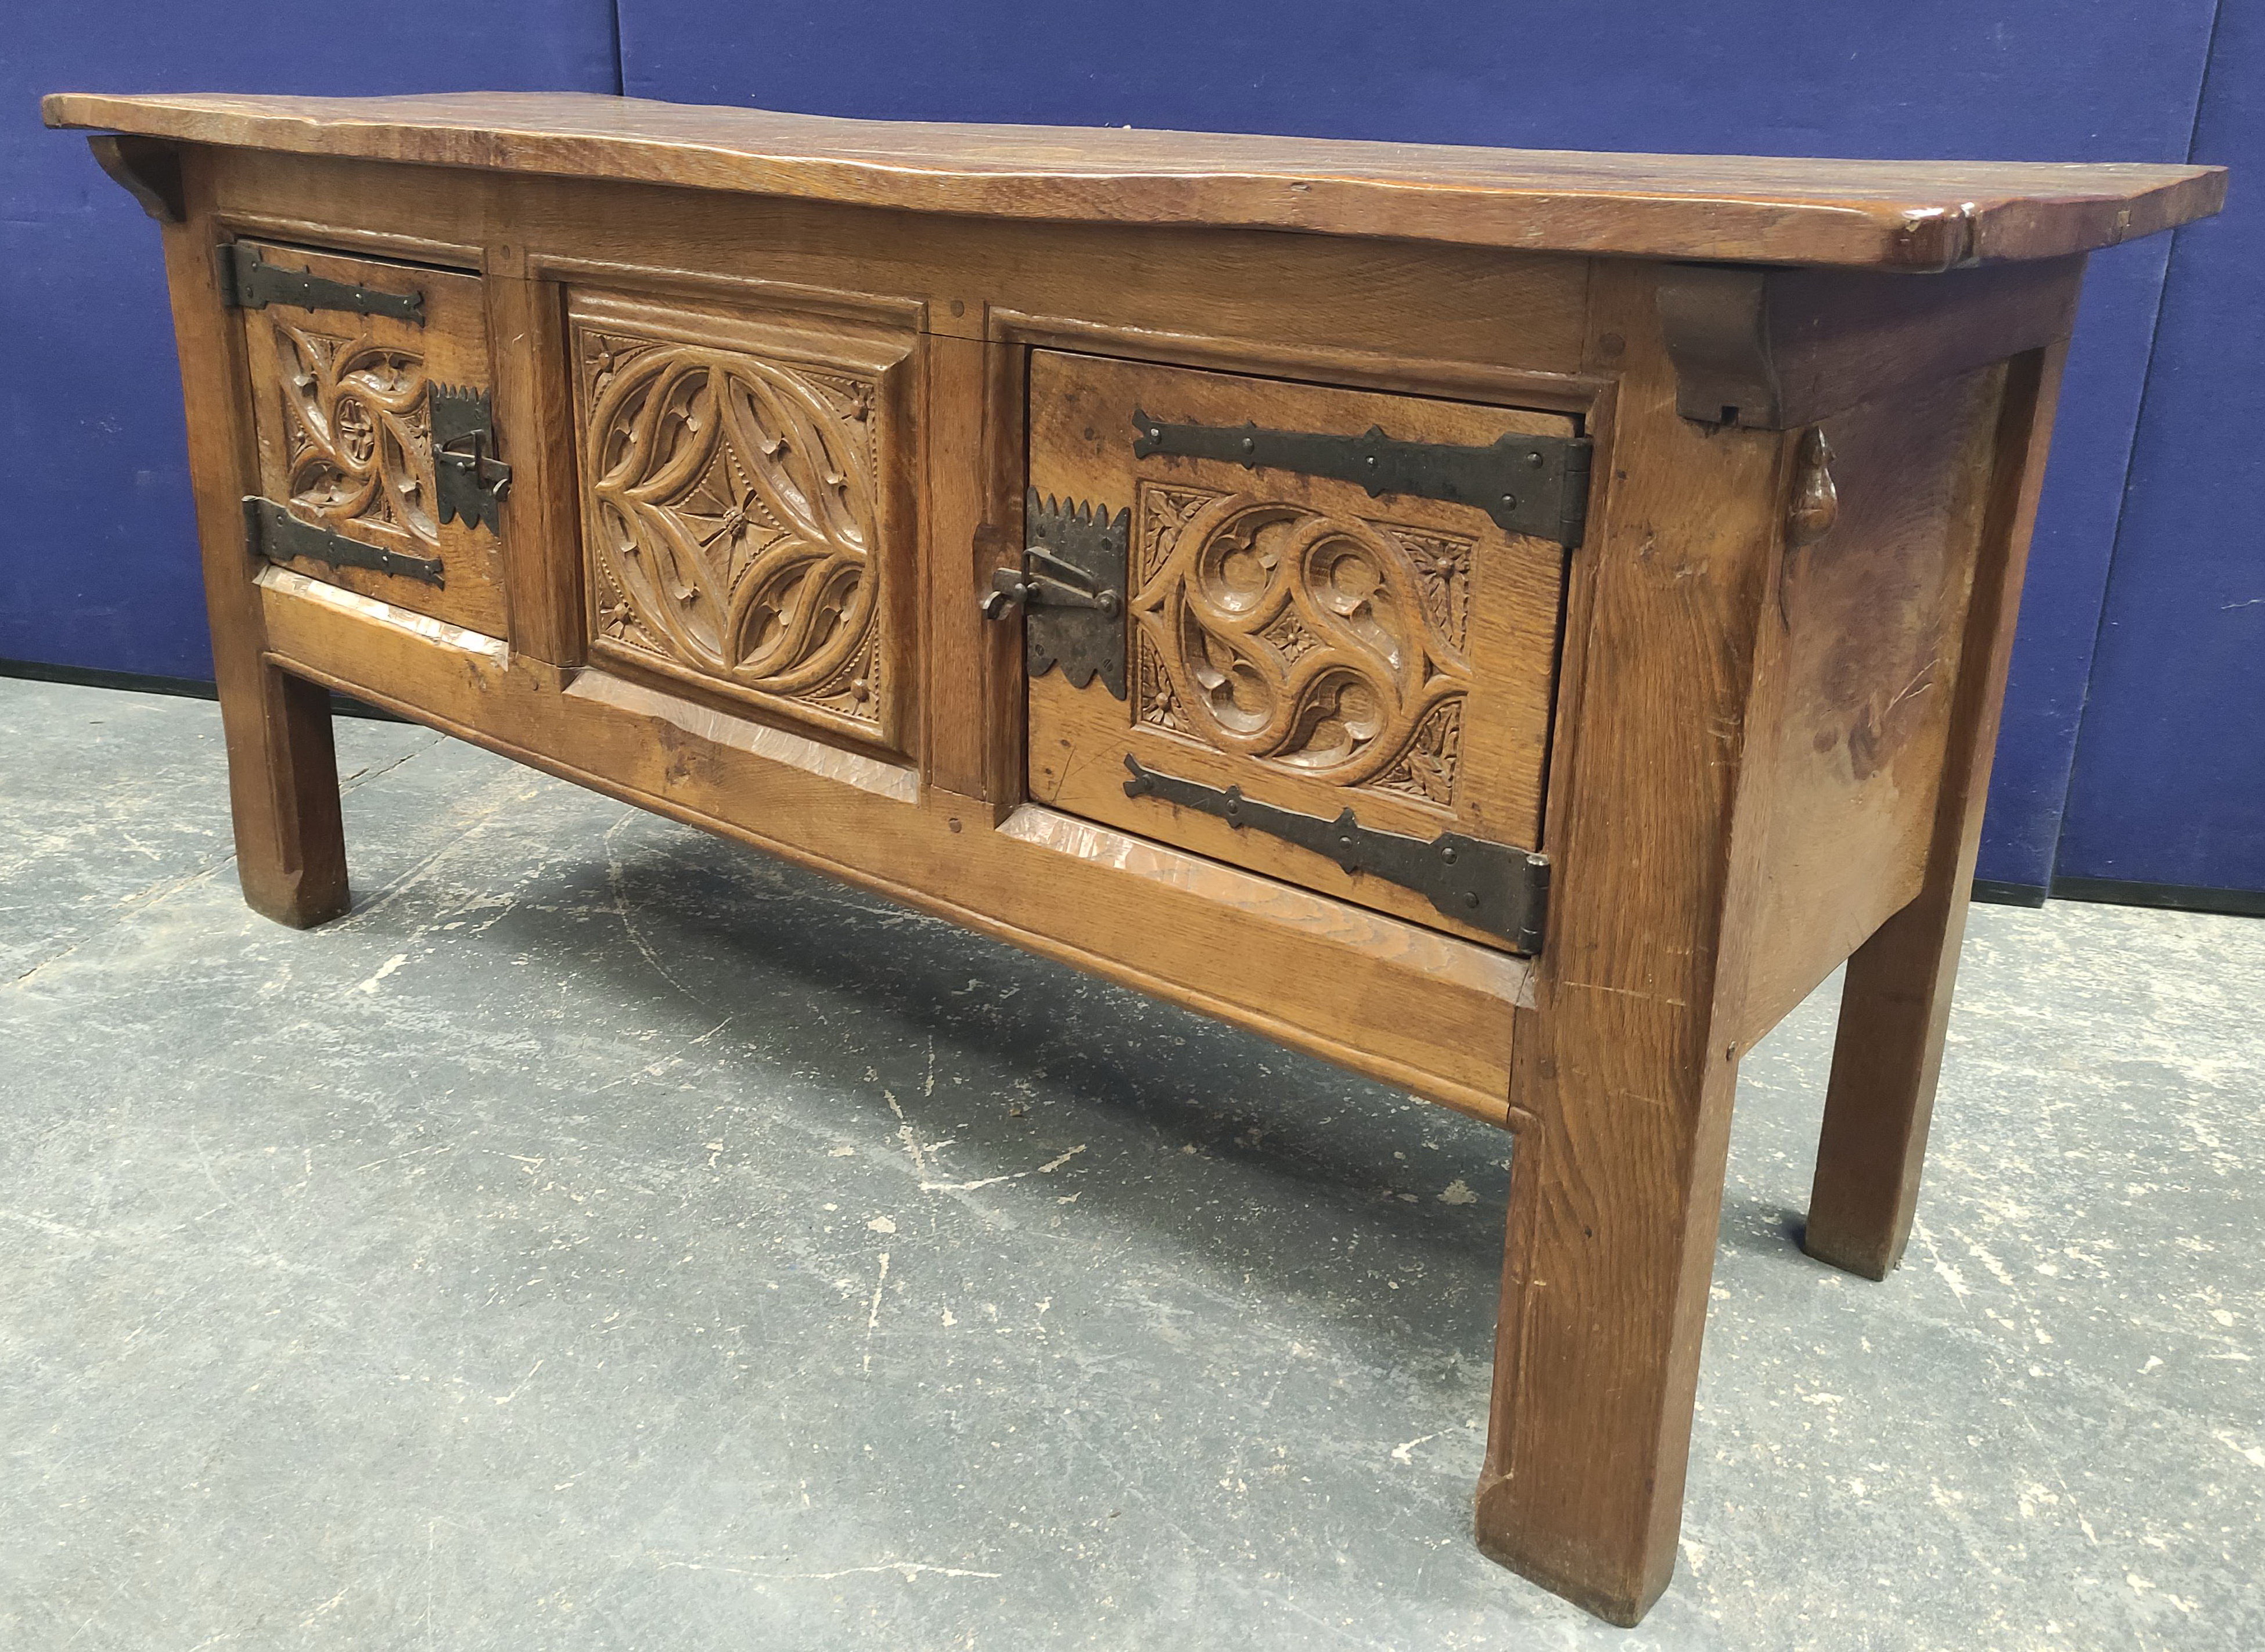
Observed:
{"x":1913,"y":215}
{"x":1628,"y":1060}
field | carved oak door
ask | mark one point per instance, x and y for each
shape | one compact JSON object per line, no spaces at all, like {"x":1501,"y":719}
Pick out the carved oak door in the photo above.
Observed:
{"x":343,"y":371}
{"x":1290,"y":634}
{"x":747,"y":522}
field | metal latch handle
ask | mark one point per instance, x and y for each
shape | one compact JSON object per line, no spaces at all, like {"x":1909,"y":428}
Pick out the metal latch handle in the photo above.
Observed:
{"x":1034,"y":586}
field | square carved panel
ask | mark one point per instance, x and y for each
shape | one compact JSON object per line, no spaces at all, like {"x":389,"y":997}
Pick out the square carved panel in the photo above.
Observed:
{"x":746,"y":523}
{"x":1287,"y":634}
{"x":341,"y":407}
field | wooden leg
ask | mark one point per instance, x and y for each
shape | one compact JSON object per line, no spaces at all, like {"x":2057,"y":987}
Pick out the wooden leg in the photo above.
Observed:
{"x":1896,"y":1003}
{"x":283,"y":771}
{"x":1622,"y":1071}
{"x":1614,"y":1209}
{"x":1893,"y":1011}
{"x":283,"y":792}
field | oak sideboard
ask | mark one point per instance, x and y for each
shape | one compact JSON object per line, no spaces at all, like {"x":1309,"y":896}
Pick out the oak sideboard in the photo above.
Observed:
{"x":1510,"y":623}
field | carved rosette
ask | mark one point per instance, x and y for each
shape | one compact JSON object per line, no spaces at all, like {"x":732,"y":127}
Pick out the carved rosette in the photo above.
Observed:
{"x":733,"y":519}
{"x":357,"y":443}
{"x":1332,"y":646}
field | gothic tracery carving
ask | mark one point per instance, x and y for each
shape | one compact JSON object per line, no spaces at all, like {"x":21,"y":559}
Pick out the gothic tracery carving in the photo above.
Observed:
{"x":1332,"y":646}
{"x":357,"y":442}
{"x":733,"y":517}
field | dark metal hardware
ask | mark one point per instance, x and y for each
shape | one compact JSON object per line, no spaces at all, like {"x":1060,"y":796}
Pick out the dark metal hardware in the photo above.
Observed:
{"x":276,"y":534}
{"x":1535,"y":485}
{"x":1490,"y":886}
{"x":468,"y":477}
{"x":248,"y":282}
{"x":1070,"y":591}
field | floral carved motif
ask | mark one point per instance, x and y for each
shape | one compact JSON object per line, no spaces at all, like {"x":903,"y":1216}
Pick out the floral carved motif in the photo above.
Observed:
{"x":1331,"y":645}
{"x":357,"y":444}
{"x":733,"y":517}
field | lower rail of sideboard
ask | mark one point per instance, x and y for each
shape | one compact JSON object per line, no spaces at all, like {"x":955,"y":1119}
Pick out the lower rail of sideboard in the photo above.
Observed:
{"x":1387,"y":998}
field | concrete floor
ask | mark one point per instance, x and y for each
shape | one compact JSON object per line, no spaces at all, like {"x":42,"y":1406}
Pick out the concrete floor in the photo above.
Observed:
{"x":607,"y":1238}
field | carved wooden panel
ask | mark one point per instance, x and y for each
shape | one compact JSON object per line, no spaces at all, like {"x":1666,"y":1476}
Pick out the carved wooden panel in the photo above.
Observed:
{"x":741,"y":477}
{"x":1294,"y":636}
{"x":1332,"y":646}
{"x":339,"y":405}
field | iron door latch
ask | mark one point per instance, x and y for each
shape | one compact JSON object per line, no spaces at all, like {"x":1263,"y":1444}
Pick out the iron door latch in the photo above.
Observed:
{"x":470,"y":480}
{"x":249,"y":281}
{"x":1532,"y":485}
{"x":1493,"y":887}
{"x":1070,"y":591}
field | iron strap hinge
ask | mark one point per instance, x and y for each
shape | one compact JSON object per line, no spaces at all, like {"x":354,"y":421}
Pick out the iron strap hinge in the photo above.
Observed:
{"x":1069,"y":589}
{"x":1494,"y":887}
{"x":248,"y":282}
{"x":468,"y":477}
{"x":276,"y":534}
{"x":1532,"y":485}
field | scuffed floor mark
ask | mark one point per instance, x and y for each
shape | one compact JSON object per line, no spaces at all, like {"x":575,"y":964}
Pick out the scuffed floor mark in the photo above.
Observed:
{"x":383,"y":970}
{"x":366,"y":776}
{"x":873,"y":1314}
{"x":393,"y":1158}
{"x":1048,"y":1168}
{"x":1401,"y":1453}
{"x":48,"y":1225}
{"x":1943,"y":1271}
{"x":913,"y":1151}
{"x":907,"y":1569}
{"x":617,"y":881}
{"x":505,"y":1399}
{"x":2254,"y":1456}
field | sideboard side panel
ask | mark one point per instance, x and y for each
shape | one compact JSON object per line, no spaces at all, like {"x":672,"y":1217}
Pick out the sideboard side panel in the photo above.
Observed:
{"x":1887,"y":523}
{"x":1870,"y":615}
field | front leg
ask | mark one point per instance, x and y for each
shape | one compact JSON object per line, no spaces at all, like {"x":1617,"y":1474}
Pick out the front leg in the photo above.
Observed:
{"x":1621,"y":1074}
{"x":1616,"y":1188}
{"x":283,"y":789}
{"x":282,"y":772}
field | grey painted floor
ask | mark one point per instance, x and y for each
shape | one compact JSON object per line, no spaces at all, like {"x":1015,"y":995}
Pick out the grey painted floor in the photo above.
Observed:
{"x":606,"y":1238}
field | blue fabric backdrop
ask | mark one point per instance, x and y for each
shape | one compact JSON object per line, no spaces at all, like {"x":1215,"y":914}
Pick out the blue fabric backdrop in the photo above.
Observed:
{"x":2170,"y":774}
{"x":102,"y":572}
{"x":99,"y":565}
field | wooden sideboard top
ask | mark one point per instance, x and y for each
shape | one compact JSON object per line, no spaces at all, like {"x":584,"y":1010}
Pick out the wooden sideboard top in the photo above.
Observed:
{"x":1890,"y":214}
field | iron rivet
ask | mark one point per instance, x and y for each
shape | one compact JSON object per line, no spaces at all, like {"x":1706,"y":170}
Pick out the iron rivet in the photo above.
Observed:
{"x":1247,"y":445}
{"x":1533,"y":460}
{"x":1447,"y":853}
{"x":1510,"y":501}
{"x":1471,"y":899}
